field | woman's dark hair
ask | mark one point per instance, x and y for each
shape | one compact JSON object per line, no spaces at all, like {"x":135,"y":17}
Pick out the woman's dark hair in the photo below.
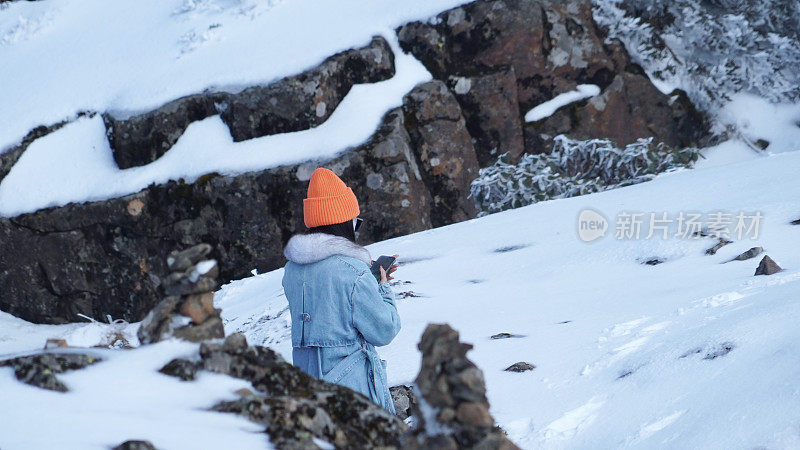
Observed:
{"x":344,"y":229}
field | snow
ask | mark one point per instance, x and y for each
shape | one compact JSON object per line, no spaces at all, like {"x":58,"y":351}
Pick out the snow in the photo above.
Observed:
{"x":124,"y":397}
{"x":75,"y":163}
{"x":628,"y":367}
{"x":548,"y":108}
{"x":17,"y":335}
{"x":756,"y":118}
{"x":202,"y":268}
{"x":142,"y":54}
{"x":627,"y":354}
{"x":623,"y":351}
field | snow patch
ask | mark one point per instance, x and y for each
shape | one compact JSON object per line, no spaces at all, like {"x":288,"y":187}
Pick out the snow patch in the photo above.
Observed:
{"x":548,"y":108}
{"x":570,"y":423}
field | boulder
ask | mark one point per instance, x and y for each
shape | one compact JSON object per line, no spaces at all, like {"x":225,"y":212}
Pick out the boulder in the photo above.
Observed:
{"x":444,"y":149}
{"x":291,"y":104}
{"x":404,"y":400}
{"x":453,"y":387}
{"x":181,"y":368}
{"x":767,"y":266}
{"x":749,"y":254}
{"x":521,"y":366}
{"x":721,"y":242}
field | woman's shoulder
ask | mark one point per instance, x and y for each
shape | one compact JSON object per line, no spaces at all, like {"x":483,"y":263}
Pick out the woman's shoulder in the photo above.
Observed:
{"x":358,"y":266}
{"x":324,"y":250}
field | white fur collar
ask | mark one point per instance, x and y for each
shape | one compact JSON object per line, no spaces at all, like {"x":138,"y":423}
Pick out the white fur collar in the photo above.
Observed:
{"x":310,"y":248}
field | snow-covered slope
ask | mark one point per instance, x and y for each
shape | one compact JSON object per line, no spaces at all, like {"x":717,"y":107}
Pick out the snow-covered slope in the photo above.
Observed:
{"x":124,"y":397}
{"x":688,"y":353}
{"x":129,"y":56}
{"x":625,"y":352}
{"x":623,"y":349}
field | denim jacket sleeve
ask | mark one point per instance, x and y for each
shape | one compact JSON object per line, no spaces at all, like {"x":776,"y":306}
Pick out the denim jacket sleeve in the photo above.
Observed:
{"x":374,"y":312}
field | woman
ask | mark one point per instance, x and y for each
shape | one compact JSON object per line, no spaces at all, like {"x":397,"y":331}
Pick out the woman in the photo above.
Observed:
{"x":340,"y":312}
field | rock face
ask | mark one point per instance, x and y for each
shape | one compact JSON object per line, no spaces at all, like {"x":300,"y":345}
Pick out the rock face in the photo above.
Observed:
{"x":551,"y":45}
{"x":109,"y":257}
{"x":550,"y":48}
{"x":190,"y":298}
{"x":306,"y":100}
{"x":490,"y":108}
{"x":295,"y":407}
{"x":630,"y":108}
{"x":439,"y":135}
{"x":453,"y":387}
{"x":492,"y":60}
{"x":295,"y":103}
{"x":40,"y":370}
{"x":142,"y":139}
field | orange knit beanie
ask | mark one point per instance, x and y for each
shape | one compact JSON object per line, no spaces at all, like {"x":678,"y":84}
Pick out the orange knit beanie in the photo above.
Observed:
{"x":329,"y":200}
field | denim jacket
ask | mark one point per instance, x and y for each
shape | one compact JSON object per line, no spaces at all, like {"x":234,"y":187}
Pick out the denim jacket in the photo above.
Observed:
{"x":339,"y":314}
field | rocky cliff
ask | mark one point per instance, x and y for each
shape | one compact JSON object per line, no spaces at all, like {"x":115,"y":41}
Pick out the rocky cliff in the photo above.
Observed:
{"x":492,"y":60}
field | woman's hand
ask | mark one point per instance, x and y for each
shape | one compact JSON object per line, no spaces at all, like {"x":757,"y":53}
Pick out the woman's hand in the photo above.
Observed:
{"x":386,"y":276}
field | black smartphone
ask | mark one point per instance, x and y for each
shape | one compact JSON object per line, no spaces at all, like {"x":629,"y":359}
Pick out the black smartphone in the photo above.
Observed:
{"x":382,"y":261}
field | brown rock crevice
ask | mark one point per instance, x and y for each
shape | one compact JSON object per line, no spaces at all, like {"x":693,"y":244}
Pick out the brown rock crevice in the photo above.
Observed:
{"x":551,"y":47}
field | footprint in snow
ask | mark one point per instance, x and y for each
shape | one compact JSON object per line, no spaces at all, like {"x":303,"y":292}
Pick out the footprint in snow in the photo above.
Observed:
{"x":511,"y":248}
{"x":654,"y":261}
{"x":654,"y":427}
{"x":414,"y":259}
{"x":569,"y":424}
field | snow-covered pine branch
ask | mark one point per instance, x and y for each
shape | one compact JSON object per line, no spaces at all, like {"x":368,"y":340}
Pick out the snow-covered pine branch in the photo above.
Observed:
{"x":573,"y":168}
{"x":711,"y":49}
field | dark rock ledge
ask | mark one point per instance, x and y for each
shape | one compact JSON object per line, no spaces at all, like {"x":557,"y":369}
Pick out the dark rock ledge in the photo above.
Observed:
{"x":294,"y":103}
